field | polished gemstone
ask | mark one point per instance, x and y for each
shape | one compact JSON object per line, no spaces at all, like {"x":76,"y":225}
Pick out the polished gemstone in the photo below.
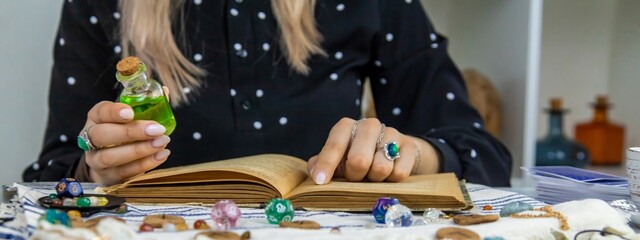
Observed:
{"x":83,"y":202}
{"x":515,"y":207}
{"x":102,"y":201}
{"x":55,"y":216}
{"x":146,"y":228}
{"x":200,"y":224}
{"x":398,"y":216}
{"x":487,"y":207}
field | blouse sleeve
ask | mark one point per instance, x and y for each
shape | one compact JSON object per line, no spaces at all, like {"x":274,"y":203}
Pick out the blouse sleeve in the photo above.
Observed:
{"x":84,"y":56}
{"x":418,"y":90}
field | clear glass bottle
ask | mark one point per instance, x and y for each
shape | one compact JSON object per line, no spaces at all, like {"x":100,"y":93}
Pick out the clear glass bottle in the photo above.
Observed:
{"x":555,"y":149}
{"x":144,"y":94}
{"x":604,"y":139}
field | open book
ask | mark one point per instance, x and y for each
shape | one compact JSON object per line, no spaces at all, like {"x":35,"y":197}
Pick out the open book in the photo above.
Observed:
{"x":254,"y":180}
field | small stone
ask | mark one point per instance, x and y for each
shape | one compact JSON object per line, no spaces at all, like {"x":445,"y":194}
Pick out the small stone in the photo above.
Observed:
{"x":122,"y":209}
{"x":487,"y":207}
{"x":55,"y":216}
{"x":169,"y":227}
{"x":68,"y":202}
{"x":515,"y":207}
{"x":146,"y":228}
{"x":74,"y":215}
{"x":474,"y":219}
{"x":278,"y":210}
{"x":302,"y":224}
{"x":456,"y":233}
{"x":335,"y":230}
{"x":381,"y":206}
{"x":420,"y":222}
{"x":102,"y":201}
{"x":93,"y":222}
{"x":46,"y":201}
{"x":69,"y":187}
{"x":432,"y":213}
{"x":398,"y":216}
{"x":93,"y":200}
{"x":225,"y":214}
{"x":245,"y":235}
{"x":200,"y":224}
{"x":159,"y":220}
{"x":219,"y":235}
{"x":182,"y":226}
{"x":56,"y":202}
{"x":53,"y":196}
{"x":83,"y":202}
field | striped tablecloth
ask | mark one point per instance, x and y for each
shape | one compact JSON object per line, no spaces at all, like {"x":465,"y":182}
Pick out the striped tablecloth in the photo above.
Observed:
{"x":352,"y":225}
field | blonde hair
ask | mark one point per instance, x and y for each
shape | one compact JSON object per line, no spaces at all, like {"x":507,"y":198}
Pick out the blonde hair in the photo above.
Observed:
{"x":145,"y":31}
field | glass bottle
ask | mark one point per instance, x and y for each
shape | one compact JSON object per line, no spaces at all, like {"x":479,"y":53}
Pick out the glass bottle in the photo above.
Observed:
{"x":555,"y":149}
{"x":604,"y":139}
{"x":143,"y":94}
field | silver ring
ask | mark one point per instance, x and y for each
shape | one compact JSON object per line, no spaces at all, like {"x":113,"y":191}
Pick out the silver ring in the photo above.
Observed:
{"x":381,"y":135}
{"x":391,"y":150}
{"x":84,"y":142}
{"x":355,"y":127}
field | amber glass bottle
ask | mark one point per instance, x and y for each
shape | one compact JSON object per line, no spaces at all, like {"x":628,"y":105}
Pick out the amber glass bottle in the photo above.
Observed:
{"x":604,"y":139}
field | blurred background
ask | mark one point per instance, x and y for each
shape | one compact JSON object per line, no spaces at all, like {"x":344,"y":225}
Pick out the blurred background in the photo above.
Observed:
{"x":529,"y":50}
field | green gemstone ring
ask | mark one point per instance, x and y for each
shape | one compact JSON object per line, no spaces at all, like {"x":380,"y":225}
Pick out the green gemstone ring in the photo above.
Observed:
{"x":84,"y":142}
{"x":391,"y":150}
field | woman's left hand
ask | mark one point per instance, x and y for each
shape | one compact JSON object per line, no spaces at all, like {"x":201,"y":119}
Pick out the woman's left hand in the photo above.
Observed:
{"x":356,"y":150}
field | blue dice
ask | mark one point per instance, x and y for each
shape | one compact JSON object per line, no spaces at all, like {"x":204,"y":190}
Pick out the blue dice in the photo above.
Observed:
{"x":380,"y":209}
{"x":69,"y":187}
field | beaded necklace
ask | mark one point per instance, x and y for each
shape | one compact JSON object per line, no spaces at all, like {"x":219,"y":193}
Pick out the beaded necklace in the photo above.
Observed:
{"x":548,"y":212}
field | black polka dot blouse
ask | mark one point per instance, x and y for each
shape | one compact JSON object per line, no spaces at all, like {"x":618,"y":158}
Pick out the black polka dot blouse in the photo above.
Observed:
{"x":252,"y":102}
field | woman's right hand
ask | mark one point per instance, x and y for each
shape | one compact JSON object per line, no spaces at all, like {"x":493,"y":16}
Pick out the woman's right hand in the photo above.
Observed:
{"x":126,"y":147}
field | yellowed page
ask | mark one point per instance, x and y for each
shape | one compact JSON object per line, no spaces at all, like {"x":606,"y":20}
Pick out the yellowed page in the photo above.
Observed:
{"x":281,"y":172}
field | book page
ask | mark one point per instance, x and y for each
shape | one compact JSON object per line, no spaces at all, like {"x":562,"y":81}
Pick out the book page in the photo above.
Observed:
{"x":281,"y":172}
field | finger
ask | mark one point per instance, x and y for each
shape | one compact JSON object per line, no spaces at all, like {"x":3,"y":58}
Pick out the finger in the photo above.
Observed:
{"x":108,"y":134}
{"x":403,"y":165}
{"x":363,"y":147}
{"x":140,"y":166}
{"x":381,"y":167}
{"x":166,"y":92}
{"x":333,"y":151}
{"x":110,"y":112}
{"x":120,"y":155}
{"x":312,"y":163}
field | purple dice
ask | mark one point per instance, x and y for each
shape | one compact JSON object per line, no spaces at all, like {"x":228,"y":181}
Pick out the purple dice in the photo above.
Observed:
{"x":225,"y":214}
{"x":380,"y":209}
{"x":68,"y":188}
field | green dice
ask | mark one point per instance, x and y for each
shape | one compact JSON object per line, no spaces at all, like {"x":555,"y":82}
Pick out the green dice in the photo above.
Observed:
{"x":279,"y":210}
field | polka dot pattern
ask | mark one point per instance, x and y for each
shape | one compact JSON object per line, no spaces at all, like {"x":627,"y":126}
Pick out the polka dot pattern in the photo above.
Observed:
{"x":71,"y":80}
{"x":61,"y":42}
{"x":259,"y":93}
{"x":451,"y":96}
{"x":473,"y":153}
{"x":197,"y":57}
{"x":262,"y":15}
{"x":396,"y":111}
{"x":340,"y":7}
{"x":257,"y":125}
{"x":383,"y":81}
{"x":234,"y":12}
{"x":389,"y":37}
{"x":266,"y":47}
{"x":63,"y":138}
{"x":333,"y":76}
{"x":93,"y":20}
{"x":197,"y":136}
{"x":232,"y":92}
{"x":283,"y":121}
{"x":338,"y":55}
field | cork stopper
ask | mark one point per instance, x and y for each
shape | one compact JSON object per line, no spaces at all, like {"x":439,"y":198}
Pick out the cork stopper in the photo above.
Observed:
{"x":602,"y":101}
{"x":556,"y":104}
{"x":128,"y":66}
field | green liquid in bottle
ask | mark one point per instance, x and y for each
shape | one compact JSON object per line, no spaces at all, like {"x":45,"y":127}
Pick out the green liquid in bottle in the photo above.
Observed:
{"x":152,"y":108}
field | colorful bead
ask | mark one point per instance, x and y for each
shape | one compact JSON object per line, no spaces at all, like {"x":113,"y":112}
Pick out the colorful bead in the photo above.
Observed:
{"x":68,"y":202}
{"x":432,"y":213}
{"x":398,"y":216}
{"x":83,"y":202}
{"x":53,"y":196}
{"x":279,"y":210}
{"x":515,"y":207}
{"x":169,"y":227}
{"x":200,"y":224}
{"x":102,"y":201}
{"x":487,"y":208}
{"x":146,"y":228}
{"x":225,"y":214}
{"x":56,"y":202}
{"x":55,"y":216}
{"x":69,"y":187}
{"x":381,"y":206}
{"x":122,"y":209}
{"x":93,"y":201}
{"x":74,"y":214}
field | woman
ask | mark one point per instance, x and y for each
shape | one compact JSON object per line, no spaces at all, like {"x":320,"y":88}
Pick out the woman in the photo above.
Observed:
{"x":251,"y":77}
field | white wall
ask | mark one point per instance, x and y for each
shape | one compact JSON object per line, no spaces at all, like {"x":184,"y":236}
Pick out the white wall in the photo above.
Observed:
{"x":27,"y":29}
{"x":577,"y":36}
{"x":624,"y":86}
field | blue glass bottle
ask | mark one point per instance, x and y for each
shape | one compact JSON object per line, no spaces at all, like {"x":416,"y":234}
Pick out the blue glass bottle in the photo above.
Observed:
{"x":555,"y":149}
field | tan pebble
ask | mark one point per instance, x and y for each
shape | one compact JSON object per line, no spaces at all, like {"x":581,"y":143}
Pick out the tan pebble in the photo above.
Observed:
{"x":91,"y":223}
{"x":219,"y":235}
{"x":474,"y":219}
{"x":303,"y":224}
{"x":456,"y":233}
{"x":158,"y":220}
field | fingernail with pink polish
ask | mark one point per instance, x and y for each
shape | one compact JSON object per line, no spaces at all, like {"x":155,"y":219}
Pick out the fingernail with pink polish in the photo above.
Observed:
{"x":320,"y":178}
{"x":160,"y":141}
{"x":162,"y":154}
{"x":126,"y":113}
{"x":154,"y":129}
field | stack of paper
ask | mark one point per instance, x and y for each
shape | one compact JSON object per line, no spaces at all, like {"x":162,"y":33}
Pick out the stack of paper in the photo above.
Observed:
{"x":557,"y":184}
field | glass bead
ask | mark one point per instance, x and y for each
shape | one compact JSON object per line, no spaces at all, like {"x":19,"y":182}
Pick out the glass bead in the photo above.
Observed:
{"x":102,"y":201}
{"x":93,"y":201}
{"x":68,"y":187}
{"x":56,"y":202}
{"x":53,"y":196}
{"x":398,"y":216}
{"x":122,"y":209}
{"x":225,"y":214}
{"x":74,"y":214}
{"x":381,"y":206}
{"x":68,"y":202}
{"x":420,"y":222}
{"x":146,"y":228}
{"x":514,"y":207}
{"x":83,"y":202}
{"x":200,"y":224}
{"x":487,"y":208}
{"x":169,"y":227}
{"x":278,"y":210}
